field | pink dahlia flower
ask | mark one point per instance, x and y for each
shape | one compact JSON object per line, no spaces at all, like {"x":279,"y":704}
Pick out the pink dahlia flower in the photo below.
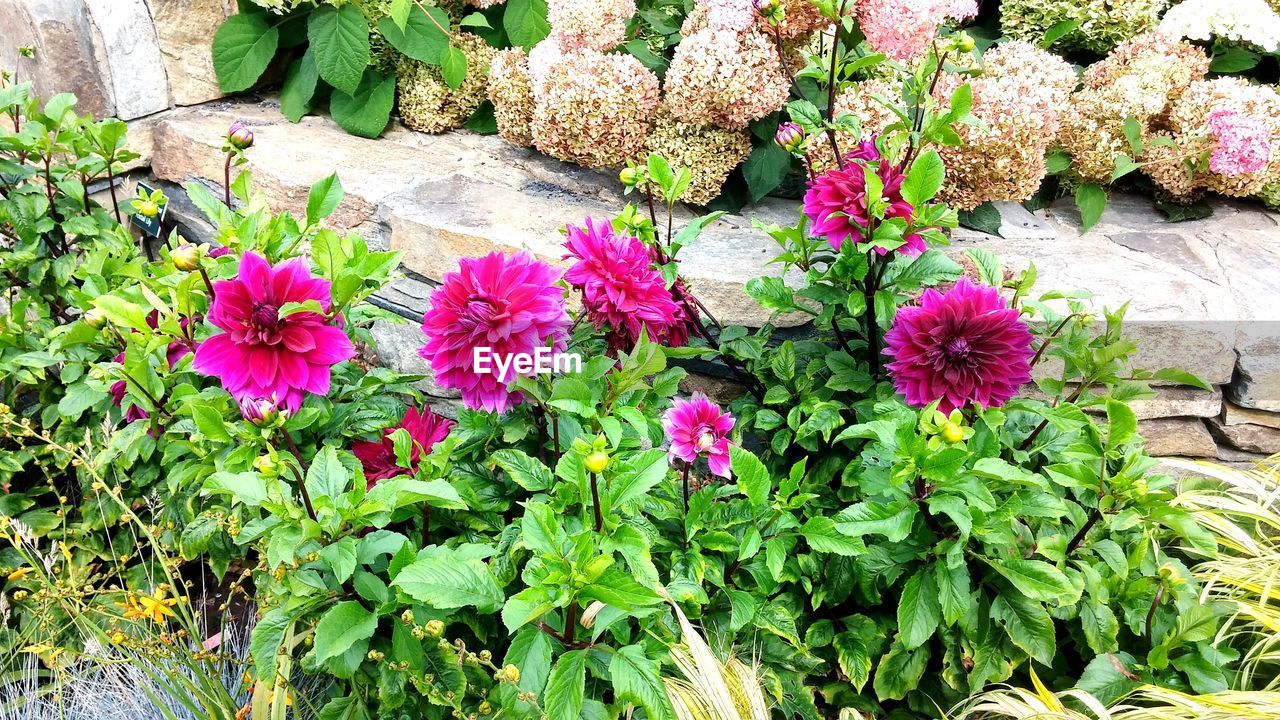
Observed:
{"x":505,"y":306}
{"x":836,"y":202}
{"x":262,"y":355}
{"x":965,"y":346}
{"x":379,"y":458}
{"x":619,"y":287}
{"x":1242,"y":143}
{"x":698,"y":427}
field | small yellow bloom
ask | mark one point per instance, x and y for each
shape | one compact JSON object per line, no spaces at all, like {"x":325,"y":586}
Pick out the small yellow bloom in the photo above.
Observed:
{"x":19,"y":573}
{"x":154,"y":607}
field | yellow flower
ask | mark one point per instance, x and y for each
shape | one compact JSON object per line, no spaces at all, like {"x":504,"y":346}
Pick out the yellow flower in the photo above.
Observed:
{"x":155,"y":607}
{"x":19,"y":573}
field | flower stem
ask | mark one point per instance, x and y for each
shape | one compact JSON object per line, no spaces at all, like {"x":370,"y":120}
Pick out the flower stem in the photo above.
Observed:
{"x":226,"y":178}
{"x":684,"y":482}
{"x":595,"y":501}
{"x":831,"y":84}
{"x":297,"y":473}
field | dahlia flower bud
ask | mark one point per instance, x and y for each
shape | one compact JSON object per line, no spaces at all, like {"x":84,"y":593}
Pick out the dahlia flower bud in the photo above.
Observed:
{"x":266,"y":465}
{"x":239,"y":136}
{"x":147,"y":208}
{"x":964,"y":42}
{"x":185,"y":257}
{"x":952,"y":433}
{"x":790,"y":137}
{"x":261,"y":412}
{"x":630,"y":176}
{"x":95,"y":318}
{"x":597,"y":461}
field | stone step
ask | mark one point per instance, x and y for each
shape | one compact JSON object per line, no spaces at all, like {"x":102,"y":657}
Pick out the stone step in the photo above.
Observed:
{"x":1201,"y":294}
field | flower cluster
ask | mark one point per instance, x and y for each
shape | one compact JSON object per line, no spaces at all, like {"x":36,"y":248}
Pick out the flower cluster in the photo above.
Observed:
{"x":904,"y":29}
{"x":725,"y":78}
{"x":378,"y":458}
{"x":1236,"y":123}
{"x":590,"y":24}
{"x":509,"y":305}
{"x":709,"y":153}
{"x":591,"y":108}
{"x":836,"y":202}
{"x":620,"y":289}
{"x":428,"y":104}
{"x":262,"y":353}
{"x":801,"y":18}
{"x":1139,"y":80}
{"x":696,"y":428}
{"x":1016,"y":100}
{"x":1249,"y":22}
{"x":965,"y":346}
{"x":511,"y":93}
{"x":1101,"y":24}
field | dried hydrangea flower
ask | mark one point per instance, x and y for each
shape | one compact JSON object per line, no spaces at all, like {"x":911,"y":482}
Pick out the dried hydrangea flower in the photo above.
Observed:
{"x":511,"y":93}
{"x":1016,"y":100}
{"x":719,"y":77}
{"x":1248,"y":22}
{"x":1102,"y":23}
{"x":593,"y":109}
{"x":428,"y":104}
{"x":709,"y":153}
{"x":590,"y":24}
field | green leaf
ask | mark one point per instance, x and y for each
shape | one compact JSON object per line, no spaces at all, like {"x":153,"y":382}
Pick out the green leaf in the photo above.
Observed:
{"x":344,"y":626}
{"x":566,"y":687}
{"x":751,"y":474}
{"x":1234,"y":59}
{"x":1133,"y":133}
{"x":765,"y":169}
{"x":340,"y":40}
{"x":1108,"y":677}
{"x":617,"y":588}
{"x":954,"y":597}
{"x":643,"y":473}
{"x":340,"y":557}
{"x":453,"y":67}
{"x":984,"y":218}
{"x":899,"y":672}
{"x":327,"y":477}
{"x":1122,"y":424}
{"x":1027,"y":624}
{"x":1182,"y":377}
{"x":299,"y":88}
{"x":925,"y":178}
{"x":526,"y":22}
{"x":242,"y":48}
{"x":893,"y":521}
{"x":445,"y":582}
{"x":1037,"y":580}
{"x":1058,"y":31}
{"x":918,"y":610}
{"x":990,"y":271}
{"x":268,"y":633}
{"x":122,"y":313}
{"x":420,"y":37}
{"x":1091,"y":201}
{"x":324,"y":198}
{"x":636,"y":680}
{"x":367,"y":112}
{"x":523,"y":470}
{"x":821,"y":534}
{"x":210,"y":423}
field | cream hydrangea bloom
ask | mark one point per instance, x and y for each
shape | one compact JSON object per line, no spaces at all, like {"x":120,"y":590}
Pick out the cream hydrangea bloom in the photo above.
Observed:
{"x":590,"y":24}
{"x":428,"y":104}
{"x":725,"y":78}
{"x":1250,"y":22}
{"x":511,"y":93}
{"x":709,"y":153}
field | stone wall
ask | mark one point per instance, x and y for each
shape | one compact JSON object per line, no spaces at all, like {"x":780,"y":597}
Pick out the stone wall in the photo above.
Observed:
{"x":1201,"y":294}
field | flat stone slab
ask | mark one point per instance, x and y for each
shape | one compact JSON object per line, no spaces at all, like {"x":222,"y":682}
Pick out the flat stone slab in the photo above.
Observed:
{"x":1200,"y":293}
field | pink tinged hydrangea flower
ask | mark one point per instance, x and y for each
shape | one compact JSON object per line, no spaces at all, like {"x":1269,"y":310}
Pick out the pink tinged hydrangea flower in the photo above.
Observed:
{"x":506,"y":306}
{"x":379,"y":458}
{"x":964,"y":346}
{"x":734,"y":15}
{"x":903,"y":29}
{"x":1242,"y":143}
{"x":262,"y":355}
{"x":961,"y":10}
{"x":619,"y":287}
{"x":697,"y":428}
{"x":836,"y":202}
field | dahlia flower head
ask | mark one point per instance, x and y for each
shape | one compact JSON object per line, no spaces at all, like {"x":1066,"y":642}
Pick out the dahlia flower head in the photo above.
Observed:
{"x":378,"y":458}
{"x":904,"y":29}
{"x":508,"y":305}
{"x":590,"y":24}
{"x":698,"y":428}
{"x":427,"y":103}
{"x":259,"y":354}
{"x":1101,"y":24}
{"x":961,"y":347}
{"x":836,"y":201}
{"x":725,"y":78}
{"x":619,"y":287}
{"x":1246,"y":22}
{"x":590,"y":108}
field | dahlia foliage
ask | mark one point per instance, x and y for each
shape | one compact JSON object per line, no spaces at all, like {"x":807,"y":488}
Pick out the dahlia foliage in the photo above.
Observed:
{"x":268,"y":350}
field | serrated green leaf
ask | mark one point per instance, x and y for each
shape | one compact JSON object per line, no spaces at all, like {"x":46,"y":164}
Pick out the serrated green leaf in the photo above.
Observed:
{"x":339,"y":38}
{"x":243,"y":47}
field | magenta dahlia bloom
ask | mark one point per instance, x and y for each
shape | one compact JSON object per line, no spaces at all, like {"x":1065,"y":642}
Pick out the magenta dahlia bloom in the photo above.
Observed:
{"x":498,"y":307}
{"x":836,"y":202}
{"x":379,"y":458}
{"x":620,"y":288}
{"x":1242,"y":143}
{"x":262,"y":355}
{"x":696,"y":428}
{"x":964,"y":346}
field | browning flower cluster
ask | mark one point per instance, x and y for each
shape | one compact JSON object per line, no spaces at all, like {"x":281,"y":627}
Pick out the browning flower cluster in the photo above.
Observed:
{"x":1102,"y":23}
{"x":1139,"y":80}
{"x":511,"y":93}
{"x":725,"y":78}
{"x":590,"y":24}
{"x":428,"y":104}
{"x":710,"y":153}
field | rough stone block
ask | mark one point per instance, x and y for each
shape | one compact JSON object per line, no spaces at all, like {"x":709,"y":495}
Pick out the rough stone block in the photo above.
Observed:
{"x":126,"y":41}
{"x":65,"y":59}
{"x":1233,"y":414}
{"x":1181,"y":437}
{"x":184,"y":30}
{"x":1250,"y":438}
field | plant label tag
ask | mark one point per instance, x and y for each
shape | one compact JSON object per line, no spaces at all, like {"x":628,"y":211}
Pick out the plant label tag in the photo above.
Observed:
{"x":150,"y":225}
